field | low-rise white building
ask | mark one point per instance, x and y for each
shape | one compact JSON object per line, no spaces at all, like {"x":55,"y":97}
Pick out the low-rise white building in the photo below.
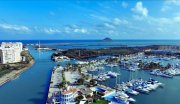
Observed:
{"x":10,"y":52}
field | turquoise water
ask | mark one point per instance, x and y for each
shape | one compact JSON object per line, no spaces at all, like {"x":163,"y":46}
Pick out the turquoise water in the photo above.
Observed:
{"x":31,"y":87}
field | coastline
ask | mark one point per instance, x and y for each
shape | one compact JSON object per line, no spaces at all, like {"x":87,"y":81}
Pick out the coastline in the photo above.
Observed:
{"x":49,"y":88}
{"x":15,"y":73}
{"x":29,"y":88}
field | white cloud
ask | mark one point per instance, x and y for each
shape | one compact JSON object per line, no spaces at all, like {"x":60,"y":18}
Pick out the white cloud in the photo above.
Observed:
{"x":112,"y":32}
{"x":162,"y":21}
{"x":124,"y":4}
{"x":68,"y":29}
{"x":177,"y":19}
{"x":168,"y":4}
{"x":114,"y":27}
{"x":14,"y":27}
{"x":74,"y":29}
{"x":18,"y":29}
{"x":52,"y":31}
{"x":118,"y":21}
{"x":165,"y":8}
{"x":159,"y":27}
{"x":177,"y":14}
{"x":172,"y":2}
{"x":102,"y":18}
{"x":108,"y":25}
{"x":82,"y":30}
{"x":140,"y":10}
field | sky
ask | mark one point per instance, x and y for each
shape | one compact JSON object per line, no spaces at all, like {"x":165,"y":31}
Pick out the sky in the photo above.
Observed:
{"x":89,"y":19}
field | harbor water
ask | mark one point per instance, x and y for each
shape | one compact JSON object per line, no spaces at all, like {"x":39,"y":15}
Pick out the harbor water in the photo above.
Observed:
{"x":31,"y":87}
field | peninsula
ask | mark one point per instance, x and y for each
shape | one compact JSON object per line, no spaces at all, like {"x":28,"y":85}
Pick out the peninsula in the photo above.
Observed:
{"x":81,"y":54}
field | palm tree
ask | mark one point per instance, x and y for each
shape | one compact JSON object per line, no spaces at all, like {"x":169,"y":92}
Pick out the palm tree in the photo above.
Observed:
{"x":79,"y":70}
{"x":68,"y":65}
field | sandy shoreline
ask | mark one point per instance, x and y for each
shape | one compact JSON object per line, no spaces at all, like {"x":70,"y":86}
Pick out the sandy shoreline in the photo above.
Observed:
{"x":14,"y":74}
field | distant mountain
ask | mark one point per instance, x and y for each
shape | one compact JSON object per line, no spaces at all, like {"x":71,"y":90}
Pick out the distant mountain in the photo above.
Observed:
{"x":107,"y":39}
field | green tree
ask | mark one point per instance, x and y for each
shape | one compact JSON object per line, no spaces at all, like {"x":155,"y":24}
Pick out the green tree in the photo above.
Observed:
{"x":80,"y":81}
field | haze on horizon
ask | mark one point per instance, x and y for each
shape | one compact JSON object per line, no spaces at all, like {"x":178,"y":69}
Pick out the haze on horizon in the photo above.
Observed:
{"x":89,"y":19}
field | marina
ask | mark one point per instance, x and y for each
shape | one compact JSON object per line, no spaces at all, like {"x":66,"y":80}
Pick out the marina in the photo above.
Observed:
{"x":120,"y":93}
{"x":139,"y":96}
{"x":89,"y":52}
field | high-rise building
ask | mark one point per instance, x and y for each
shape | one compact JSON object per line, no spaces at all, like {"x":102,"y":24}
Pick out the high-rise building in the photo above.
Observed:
{"x":10,"y":52}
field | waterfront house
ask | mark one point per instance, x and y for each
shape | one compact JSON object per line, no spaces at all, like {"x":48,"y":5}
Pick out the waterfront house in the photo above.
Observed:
{"x":67,"y":95}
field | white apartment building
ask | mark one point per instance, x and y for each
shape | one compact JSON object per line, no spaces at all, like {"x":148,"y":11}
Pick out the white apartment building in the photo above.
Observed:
{"x":10,"y":52}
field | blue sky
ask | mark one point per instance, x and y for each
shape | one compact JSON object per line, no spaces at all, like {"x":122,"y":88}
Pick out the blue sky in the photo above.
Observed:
{"x":89,"y":19}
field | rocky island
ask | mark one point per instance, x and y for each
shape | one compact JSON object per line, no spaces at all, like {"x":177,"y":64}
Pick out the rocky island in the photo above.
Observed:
{"x":107,"y":39}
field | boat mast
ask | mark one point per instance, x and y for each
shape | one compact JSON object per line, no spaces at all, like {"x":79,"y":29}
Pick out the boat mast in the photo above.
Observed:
{"x":39,"y":44}
{"x":116,"y":86}
{"x":130,"y":75}
{"x":39,"y":49}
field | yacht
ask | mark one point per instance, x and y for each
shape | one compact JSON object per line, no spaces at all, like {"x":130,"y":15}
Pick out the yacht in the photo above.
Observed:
{"x":123,"y":96}
{"x":112,"y":74}
{"x":112,"y":65}
{"x":130,"y":91}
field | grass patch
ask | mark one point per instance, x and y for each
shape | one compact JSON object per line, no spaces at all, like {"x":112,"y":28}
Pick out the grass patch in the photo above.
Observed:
{"x":4,"y":71}
{"x":100,"y":102}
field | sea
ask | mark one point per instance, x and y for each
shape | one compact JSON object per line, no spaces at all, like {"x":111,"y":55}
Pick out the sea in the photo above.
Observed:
{"x":31,"y":87}
{"x":67,"y":44}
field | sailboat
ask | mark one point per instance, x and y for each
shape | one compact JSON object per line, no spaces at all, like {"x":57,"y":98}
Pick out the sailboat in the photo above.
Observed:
{"x":112,"y":74}
{"x":121,"y":96}
{"x":128,"y":88}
